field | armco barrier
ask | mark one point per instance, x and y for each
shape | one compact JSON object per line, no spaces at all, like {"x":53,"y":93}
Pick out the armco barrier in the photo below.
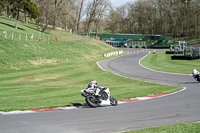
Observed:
{"x":113,"y":53}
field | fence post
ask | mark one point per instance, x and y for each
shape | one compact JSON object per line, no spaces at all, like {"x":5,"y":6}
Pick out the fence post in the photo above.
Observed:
{"x":48,"y":39}
{"x":19,"y":36}
{"x":32,"y":37}
{"x":5,"y":34}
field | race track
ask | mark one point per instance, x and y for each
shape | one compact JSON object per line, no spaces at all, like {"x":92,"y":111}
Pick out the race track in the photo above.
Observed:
{"x":181,"y":107}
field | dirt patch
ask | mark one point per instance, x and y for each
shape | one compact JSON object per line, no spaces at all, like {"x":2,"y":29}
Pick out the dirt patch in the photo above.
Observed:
{"x":41,"y":61}
{"x":39,"y":78}
{"x":43,"y":77}
{"x":15,"y":68}
{"x":28,"y":79}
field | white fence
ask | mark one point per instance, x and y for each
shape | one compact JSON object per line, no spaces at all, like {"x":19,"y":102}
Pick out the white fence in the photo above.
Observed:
{"x":12,"y":35}
{"x":113,"y":53}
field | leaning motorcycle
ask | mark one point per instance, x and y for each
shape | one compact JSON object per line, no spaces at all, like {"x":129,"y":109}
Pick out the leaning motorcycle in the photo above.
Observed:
{"x":196,"y":75}
{"x":102,"y":99}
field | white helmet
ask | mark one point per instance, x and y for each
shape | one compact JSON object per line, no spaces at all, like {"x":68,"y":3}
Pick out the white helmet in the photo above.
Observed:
{"x":94,"y":82}
{"x":195,"y":72}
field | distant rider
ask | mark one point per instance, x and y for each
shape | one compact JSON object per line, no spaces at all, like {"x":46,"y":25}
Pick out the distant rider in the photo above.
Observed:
{"x":195,"y":72}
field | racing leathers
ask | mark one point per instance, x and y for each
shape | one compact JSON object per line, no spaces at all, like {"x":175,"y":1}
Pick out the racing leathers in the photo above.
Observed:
{"x":93,"y":88}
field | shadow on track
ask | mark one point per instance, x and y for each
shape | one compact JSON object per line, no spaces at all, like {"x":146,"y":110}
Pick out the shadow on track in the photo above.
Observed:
{"x":190,"y":82}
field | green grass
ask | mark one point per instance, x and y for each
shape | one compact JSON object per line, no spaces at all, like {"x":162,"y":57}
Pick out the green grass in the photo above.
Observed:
{"x":36,"y":75}
{"x":163,"y":62}
{"x":60,"y":85}
{"x":194,"y":41}
{"x":179,"y":128}
{"x":8,"y":25}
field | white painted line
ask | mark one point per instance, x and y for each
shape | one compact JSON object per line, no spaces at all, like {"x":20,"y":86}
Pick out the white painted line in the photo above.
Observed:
{"x":100,"y":66}
{"x":143,"y":98}
{"x":121,"y":102}
{"x":73,"y":107}
{"x":184,"y":88}
{"x":16,"y":112}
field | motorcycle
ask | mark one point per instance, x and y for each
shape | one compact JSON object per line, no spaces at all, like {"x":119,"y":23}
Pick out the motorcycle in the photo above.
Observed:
{"x":196,"y":75}
{"x":102,"y":99}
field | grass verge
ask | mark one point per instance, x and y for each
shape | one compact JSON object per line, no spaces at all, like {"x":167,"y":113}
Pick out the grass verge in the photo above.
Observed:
{"x":179,"y":128}
{"x":162,"y":62}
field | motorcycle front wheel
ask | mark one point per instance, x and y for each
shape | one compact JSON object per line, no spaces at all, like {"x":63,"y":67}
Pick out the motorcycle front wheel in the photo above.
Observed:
{"x":92,"y":101}
{"x":113,"y":101}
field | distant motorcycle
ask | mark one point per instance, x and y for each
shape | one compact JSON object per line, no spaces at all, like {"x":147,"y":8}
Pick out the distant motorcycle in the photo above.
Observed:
{"x":196,"y":75}
{"x":103,"y":99}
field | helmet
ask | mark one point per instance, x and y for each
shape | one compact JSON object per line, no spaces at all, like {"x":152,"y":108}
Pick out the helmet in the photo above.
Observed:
{"x":94,"y":82}
{"x":195,"y":72}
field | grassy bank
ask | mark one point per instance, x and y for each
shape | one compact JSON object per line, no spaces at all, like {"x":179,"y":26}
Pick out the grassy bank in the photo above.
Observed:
{"x":163,"y":62}
{"x":25,"y":31}
{"x":36,"y":74}
{"x":179,"y":128}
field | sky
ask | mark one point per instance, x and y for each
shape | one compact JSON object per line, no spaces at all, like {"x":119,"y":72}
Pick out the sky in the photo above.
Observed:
{"x":117,"y":3}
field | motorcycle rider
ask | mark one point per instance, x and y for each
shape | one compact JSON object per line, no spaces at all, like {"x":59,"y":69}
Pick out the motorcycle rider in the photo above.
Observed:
{"x":196,"y":75}
{"x":195,"y":72}
{"x":93,"y":88}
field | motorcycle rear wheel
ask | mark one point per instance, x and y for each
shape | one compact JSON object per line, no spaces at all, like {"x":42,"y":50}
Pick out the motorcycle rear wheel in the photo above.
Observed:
{"x":198,"y":78}
{"x":92,"y":101}
{"x":113,"y":101}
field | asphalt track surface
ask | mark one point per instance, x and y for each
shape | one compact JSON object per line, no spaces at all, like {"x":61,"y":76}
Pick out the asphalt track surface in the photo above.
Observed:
{"x":181,"y":107}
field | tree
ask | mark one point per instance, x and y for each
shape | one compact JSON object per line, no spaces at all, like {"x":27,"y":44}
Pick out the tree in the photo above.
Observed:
{"x":58,"y":13}
{"x":24,"y":6}
{"x":117,"y":20}
{"x":2,"y":5}
{"x":94,"y":12}
{"x":30,"y":10}
{"x":102,"y":9}
{"x":58,"y":4}
{"x":166,"y":17}
{"x":79,"y":15}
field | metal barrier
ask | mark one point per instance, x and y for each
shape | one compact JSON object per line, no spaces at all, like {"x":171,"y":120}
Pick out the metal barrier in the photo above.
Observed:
{"x":194,"y":53}
{"x":130,"y":44}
